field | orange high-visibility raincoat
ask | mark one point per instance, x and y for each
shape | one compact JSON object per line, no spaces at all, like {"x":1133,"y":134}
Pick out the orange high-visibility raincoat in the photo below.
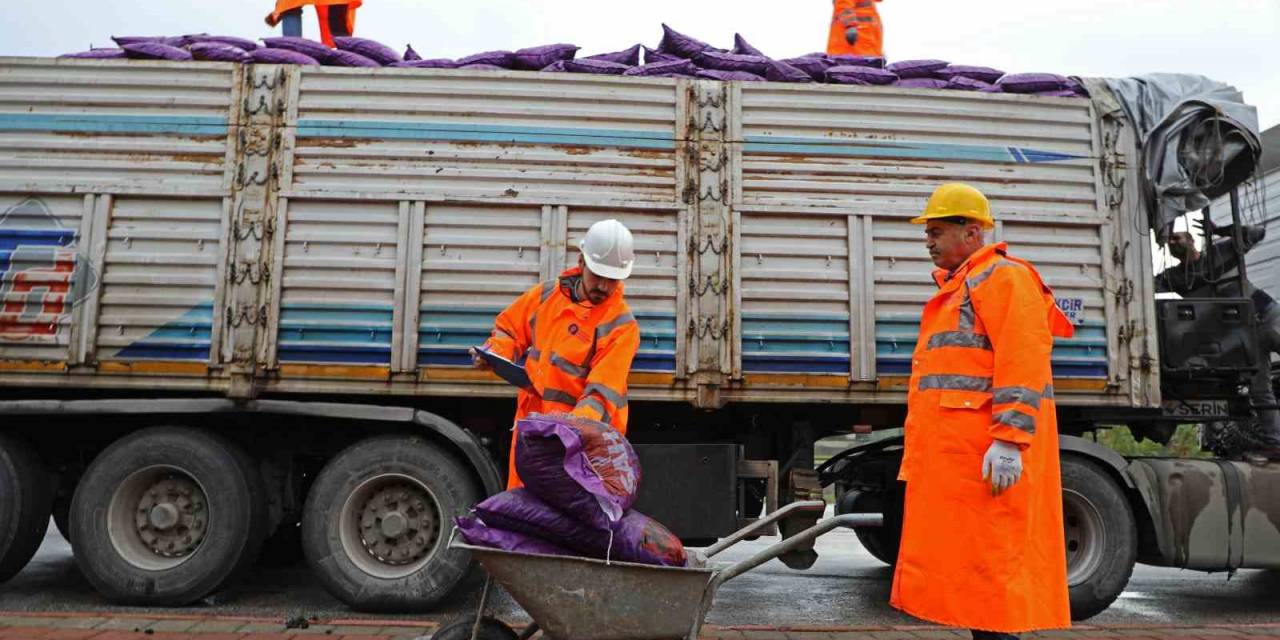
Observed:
{"x":981,"y":371}
{"x":322,"y":12}
{"x":863,"y":16}
{"x":577,"y":355}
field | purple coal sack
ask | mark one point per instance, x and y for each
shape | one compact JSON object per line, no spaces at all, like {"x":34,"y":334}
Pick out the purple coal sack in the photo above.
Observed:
{"x":97,"y":54}
{"x":629,"y":57}
{"x":583,"y":467}
{"x":653,"y":55}
{"x":155,"y":51}
{"x":636,"y":538}
{"x":230,"y":41}
{"x":860,"y":75}
{"x":676,"y":43}
{"x":917,"y":68}
{"x":779,"y":71}
{"x":410,"y":55}
{"x":318,"y":51}
{"x":961,"y":83}
{"x":921,"y":83}
{"x":483,"y":67}
{"x":366,"y":48}
{"x":720,"y":74}
{"x":281,"y":56}
{"x":535,"y":58}
{"x":217,"y":52}
{"x":555,"y":67}
{"x":599,"y":67}
{"x":477,"y":533}
{"x":1033,"y":82}
{"x":984,"y":74}
{"x":501,"y":59}
{"x":816,"y":67}
{"x":876,"y":62}
{"x":731,"y":62}
{"x":674,"y":67}
{"x":741,"y":46}
{"x":435,"y":63}
{"x":340,"y":58}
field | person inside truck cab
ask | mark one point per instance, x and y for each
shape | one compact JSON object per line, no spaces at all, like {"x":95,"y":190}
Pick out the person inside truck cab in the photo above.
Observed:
{"x":576,"y":336}
{"x":982,"y":545}
{"x":1194,"y":276}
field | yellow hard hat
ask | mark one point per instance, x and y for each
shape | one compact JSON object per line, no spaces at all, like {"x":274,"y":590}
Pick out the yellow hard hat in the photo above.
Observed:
{"x":956,"y":199}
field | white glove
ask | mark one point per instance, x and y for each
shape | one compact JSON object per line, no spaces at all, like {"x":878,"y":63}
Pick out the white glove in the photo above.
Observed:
{"x":1002,"y":465}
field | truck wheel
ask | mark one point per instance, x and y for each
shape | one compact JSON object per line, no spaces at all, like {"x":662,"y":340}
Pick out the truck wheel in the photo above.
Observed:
{"x":880,"y":542}
{"x":1101,"y":536}
{"x":166,"y":516}
{"x":377,"y":523}
{"x":26,"y":497}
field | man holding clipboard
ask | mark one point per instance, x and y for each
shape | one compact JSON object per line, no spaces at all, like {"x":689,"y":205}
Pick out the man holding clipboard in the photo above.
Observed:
{"x":575,"y":336}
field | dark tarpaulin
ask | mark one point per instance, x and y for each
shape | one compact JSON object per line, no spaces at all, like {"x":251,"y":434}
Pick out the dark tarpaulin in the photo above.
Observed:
{"x":1198,"y":137}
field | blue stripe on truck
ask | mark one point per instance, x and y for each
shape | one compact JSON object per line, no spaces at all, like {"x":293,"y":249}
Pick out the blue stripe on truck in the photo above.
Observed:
{"x":812,"y":146}
{"x":110,"y":123}
{"x":511,"y":134}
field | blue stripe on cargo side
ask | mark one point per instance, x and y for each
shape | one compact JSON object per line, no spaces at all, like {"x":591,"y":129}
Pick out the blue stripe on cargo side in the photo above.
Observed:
{"x":1082,"y":356}
{"x":105,"y":123}
{"x":352,"y":355}
{"x":450,"y":132}
{"x":184,"y":338}
{"x":787,"y":145}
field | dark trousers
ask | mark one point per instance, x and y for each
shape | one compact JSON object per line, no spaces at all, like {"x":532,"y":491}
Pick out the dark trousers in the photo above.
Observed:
{"x":991,"y":635}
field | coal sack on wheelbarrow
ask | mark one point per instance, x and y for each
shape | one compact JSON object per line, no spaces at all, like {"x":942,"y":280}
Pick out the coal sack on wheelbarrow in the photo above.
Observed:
{"x":581,"y":478}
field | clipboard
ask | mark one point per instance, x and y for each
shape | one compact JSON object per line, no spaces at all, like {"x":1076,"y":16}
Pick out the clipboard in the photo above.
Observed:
{"x":506,"y":369}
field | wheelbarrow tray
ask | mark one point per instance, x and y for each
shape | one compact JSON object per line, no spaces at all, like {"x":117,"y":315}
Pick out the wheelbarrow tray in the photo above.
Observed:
{"x":587,"y":599}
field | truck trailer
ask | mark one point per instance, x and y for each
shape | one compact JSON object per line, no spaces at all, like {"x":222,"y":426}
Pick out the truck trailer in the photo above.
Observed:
{"x":238,"y":299}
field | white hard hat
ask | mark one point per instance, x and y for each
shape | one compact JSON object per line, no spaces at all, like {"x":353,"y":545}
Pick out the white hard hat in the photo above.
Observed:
{"x":609,"y":250}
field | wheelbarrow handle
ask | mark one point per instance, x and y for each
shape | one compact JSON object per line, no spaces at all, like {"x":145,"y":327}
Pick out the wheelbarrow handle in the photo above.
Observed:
{"x":802,"y":539}
{"x":779,"y":514}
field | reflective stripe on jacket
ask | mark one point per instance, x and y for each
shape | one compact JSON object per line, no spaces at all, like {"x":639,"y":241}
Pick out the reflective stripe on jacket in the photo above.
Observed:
{"x":577,"y":355}
{"x":981,"y":371}
{"x":856,"y":14}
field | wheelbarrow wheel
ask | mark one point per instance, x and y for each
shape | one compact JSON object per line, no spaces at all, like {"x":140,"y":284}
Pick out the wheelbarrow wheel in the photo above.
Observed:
{"x":490,"y":629}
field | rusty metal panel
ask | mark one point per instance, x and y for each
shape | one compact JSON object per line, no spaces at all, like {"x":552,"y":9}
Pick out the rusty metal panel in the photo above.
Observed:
{"x":337,"y":296}
{"x":461,"y":135}
{"x":119,"y":126}
{"x":476,"y":260}
{"x":159,"y":279}
{"x":795,"y":293}
{"x":44,"y":273}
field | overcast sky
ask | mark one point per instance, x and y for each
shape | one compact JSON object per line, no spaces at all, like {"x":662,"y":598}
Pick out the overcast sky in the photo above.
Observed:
{"x":1236,"y":41}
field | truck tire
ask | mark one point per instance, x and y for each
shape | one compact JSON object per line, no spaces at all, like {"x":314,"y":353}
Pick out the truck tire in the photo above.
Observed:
{"x":26,"y":498}
{"x":62,"y":515}
{"x":880,"y":542}
{"x":166,"y":516}
{"x":377,"y":523}
{"x":1101,"y":536}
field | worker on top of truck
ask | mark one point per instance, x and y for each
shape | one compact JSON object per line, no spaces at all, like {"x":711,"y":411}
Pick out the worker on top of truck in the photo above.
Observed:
{"x":337,"y":17}
{"x":982,"y":535}
{"x":856,"y":29}
{"x":576,"y":335}
{"x":1196,"y":277}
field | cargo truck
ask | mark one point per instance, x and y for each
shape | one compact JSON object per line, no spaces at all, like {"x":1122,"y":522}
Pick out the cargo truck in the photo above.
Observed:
{"x":237,"y":303}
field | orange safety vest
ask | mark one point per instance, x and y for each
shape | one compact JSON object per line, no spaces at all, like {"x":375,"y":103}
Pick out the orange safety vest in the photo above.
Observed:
{"x":981,"y":371}
{"x":860,"y":15}
{"x":577,"y":355}
{"x":322,"y":12}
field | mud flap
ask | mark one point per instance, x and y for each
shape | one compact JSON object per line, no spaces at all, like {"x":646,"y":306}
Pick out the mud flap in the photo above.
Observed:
{"x":801,"y":484}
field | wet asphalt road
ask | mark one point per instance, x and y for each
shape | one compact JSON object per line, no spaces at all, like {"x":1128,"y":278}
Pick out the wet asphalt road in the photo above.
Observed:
{"x":846,"y":587}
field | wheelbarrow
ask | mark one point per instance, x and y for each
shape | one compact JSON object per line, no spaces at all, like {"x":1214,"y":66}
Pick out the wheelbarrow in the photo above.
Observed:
{"x":587,"y":599}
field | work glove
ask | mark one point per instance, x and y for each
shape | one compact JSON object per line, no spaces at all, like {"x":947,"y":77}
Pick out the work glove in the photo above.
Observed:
{"x":1002,"y":466}
{"x":851,"y":35}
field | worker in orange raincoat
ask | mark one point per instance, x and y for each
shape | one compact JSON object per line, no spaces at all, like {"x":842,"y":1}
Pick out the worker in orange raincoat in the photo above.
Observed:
{"x":337,"y":17}
{"x":855,"y":29}
{"x":982,"y":536}
{"x":576,"y":335}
